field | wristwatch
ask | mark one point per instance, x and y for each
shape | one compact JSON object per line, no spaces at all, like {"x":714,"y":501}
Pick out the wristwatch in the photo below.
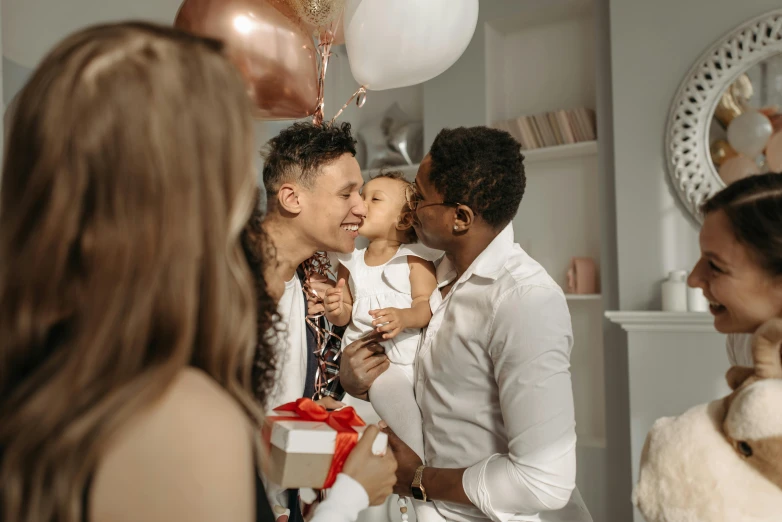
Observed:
{"x":419,"y":492}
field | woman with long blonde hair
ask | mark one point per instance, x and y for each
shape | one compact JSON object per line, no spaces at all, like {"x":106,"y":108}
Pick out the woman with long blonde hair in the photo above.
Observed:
{"x":127,"y":311}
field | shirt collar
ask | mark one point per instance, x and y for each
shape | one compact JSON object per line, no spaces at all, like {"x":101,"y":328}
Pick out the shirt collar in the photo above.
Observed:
{"x":488,"y":264}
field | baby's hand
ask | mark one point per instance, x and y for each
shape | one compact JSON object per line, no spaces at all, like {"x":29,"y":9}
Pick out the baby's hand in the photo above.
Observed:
{"x":333,"y":299}
{"x":392,"y":319}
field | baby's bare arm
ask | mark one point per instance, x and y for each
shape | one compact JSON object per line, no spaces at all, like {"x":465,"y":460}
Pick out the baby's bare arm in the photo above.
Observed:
{"x":422,"y":283}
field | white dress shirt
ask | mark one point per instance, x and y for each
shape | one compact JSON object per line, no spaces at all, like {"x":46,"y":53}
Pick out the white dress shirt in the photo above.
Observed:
{"x":493,"y":384}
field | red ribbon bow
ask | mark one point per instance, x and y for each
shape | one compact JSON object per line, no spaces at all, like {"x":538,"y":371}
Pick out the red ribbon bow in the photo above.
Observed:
{"x":342,"y":421}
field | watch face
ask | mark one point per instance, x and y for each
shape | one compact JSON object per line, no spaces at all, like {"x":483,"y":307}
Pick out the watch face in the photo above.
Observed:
{"x":417,"y":493}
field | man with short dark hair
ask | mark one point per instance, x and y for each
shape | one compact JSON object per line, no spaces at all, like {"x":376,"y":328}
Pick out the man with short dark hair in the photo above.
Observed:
{"x":492,"y":374}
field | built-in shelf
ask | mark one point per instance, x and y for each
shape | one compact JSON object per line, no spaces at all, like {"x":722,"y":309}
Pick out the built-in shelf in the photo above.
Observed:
{"x":408,"y":170}
{"x":583,"y":297}
{"x":574,"y":150}
{"x":652,"y":321}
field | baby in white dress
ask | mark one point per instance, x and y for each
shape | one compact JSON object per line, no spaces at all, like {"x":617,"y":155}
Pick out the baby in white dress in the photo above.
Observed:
{"x":388,"y":288}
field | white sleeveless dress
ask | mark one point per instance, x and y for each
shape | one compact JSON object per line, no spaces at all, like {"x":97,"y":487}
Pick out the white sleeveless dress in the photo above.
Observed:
{"x":392,"y":394}
{"x":384,"y":286}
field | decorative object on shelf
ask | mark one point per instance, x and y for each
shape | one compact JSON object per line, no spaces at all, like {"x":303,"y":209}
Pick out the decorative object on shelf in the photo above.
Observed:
{"x":696,"y":301}
{"x":406,"y":42}
{"x":715,"y":103}
{"x":582,"y":276}
{"x":674,"y":292}
{"x":720,"y":461}
{"x":550,"y":129}
{"x":271,"y":48}
{"x":393,"y":140}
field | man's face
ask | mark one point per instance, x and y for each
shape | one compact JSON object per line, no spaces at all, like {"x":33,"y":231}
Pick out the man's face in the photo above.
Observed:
{"x":333,"y":209}
{"x":434,"y":218}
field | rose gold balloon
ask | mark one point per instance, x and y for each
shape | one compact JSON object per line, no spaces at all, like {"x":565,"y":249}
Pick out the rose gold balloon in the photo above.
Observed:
{"x":274,"y":52}
{"x":736,"y":168}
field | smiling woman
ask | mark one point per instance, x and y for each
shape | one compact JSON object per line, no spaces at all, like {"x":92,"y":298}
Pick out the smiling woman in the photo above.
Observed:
{"x":740,"y":269}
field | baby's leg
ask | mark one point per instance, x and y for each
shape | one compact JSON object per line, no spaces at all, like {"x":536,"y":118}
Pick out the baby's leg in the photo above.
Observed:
{"x":393,"y":399}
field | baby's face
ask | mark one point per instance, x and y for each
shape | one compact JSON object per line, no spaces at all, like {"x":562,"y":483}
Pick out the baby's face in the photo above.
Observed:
{"x":385,"y":201}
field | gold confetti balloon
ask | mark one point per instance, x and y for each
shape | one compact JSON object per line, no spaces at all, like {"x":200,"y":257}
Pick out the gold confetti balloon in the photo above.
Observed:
{"x":319,"y":13}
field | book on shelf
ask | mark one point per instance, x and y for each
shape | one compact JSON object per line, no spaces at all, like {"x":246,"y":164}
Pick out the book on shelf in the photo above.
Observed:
{"x":549,"y":129}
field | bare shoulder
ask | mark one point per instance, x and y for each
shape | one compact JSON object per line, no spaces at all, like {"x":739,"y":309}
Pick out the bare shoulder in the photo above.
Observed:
{"x":416,"y":263}
{"x":187,"y":457}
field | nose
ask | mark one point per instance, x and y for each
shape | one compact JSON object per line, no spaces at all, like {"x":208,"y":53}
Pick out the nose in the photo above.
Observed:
{"x":696,"y":279}
{"x":360,"y":209}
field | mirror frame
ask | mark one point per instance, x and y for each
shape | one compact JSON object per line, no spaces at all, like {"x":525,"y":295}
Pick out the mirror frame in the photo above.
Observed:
{"x":687,"y":149}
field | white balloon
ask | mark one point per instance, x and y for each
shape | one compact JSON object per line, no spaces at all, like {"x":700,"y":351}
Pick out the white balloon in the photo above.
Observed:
{"x":749,"y":133}
{"x":396,"y":43}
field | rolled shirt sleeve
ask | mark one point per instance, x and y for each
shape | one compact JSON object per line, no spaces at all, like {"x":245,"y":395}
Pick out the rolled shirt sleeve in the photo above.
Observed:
{"x":530,"y":343}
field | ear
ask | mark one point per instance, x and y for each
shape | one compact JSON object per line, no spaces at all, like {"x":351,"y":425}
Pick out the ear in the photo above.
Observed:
{"x":737,"y":375}
{"x":288,"y":198}
{"x":463,"y":219}
{"x":404,"y":221}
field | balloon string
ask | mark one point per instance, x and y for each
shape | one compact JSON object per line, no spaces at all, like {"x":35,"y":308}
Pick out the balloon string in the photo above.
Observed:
{"x":325,"y":41}
{"x":325,"y":53}
{"x":361,"y":93}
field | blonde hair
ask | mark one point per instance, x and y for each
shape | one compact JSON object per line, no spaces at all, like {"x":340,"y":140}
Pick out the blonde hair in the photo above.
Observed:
{"x":127,"y":180}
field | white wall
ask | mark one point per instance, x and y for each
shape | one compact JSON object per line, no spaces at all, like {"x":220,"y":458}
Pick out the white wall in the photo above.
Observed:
{"x":653,"y":45}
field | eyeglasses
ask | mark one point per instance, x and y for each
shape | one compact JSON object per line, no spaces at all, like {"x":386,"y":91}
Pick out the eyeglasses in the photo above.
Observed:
{"x":414,"y":199}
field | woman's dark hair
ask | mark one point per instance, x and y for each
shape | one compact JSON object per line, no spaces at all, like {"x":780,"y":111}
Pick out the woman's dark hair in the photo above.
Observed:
{"x":482,"y":168}
{"x":259,"y":252}
{"x":753,"y":206}
{"x":410,"y":235}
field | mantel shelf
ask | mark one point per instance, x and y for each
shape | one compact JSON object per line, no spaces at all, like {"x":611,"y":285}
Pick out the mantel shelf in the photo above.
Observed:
{"x":574,"y":150}
{"x":650,"y":321}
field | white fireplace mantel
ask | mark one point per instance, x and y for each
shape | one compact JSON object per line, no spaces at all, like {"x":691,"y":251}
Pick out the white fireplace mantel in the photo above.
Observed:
{"x":652,"y":321}
{"x":675,"y":360}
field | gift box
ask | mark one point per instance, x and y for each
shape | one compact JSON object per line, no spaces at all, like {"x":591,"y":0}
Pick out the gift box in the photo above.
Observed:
{"x":308,"y":445}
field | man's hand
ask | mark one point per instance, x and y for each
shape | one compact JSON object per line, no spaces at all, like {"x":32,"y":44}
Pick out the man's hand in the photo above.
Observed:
{"x":334,"y":298}
{"x":407,"y":462}
{"x":361,"y":363}
{"x":393,"y":321}
{"x":330,"y":403}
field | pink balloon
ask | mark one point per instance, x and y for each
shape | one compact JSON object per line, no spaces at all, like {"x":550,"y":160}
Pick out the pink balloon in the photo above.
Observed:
{"x":774,"y":152}
{"x":736,"y":168}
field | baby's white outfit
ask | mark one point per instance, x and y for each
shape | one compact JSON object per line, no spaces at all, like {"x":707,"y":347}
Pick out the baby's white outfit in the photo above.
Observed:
{"x":392,"y":394}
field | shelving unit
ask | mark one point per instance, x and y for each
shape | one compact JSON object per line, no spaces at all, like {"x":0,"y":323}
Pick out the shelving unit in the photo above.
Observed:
{"x":575,"y":150}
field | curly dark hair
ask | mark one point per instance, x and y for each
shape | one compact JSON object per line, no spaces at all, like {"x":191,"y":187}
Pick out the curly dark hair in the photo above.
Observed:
{"x":259,"y":251}
{"x":482,"y":168}
{"x":410,"y":235}
{"x":297,"y":152}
